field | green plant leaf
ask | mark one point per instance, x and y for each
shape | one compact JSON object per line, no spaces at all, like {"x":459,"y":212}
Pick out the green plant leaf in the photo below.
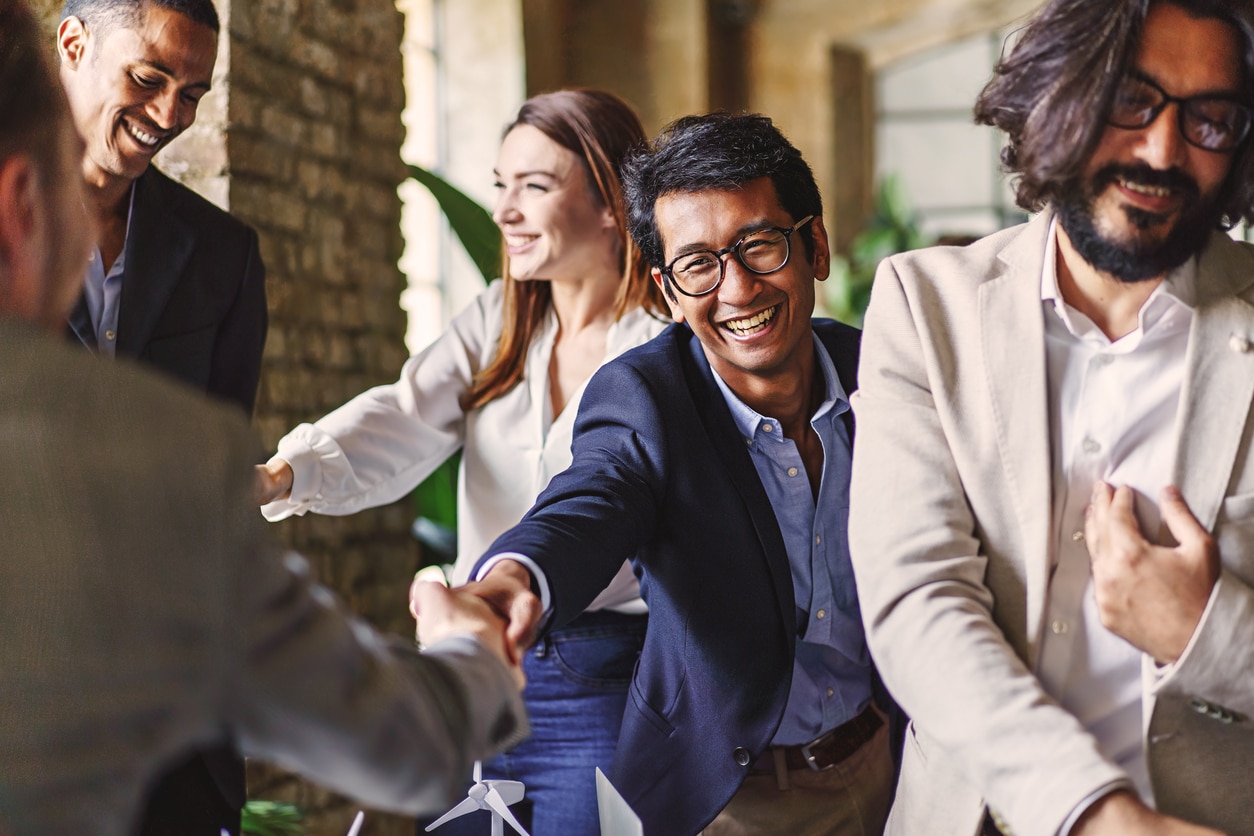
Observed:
{"x":471,"y":223}
{"x":891,"y":229}
{"x":271,"y":818}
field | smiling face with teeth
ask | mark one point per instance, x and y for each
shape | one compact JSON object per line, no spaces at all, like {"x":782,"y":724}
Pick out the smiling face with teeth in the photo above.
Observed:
{"x":755,"y":329}
{"x":1149,"y":199}
{"x":134,"y":88}
{"x":555,"y":225}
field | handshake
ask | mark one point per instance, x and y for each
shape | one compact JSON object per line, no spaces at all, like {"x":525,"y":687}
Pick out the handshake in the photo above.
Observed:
{"x":500,"y":611}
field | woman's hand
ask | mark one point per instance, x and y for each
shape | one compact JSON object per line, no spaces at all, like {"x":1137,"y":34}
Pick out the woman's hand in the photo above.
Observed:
{"x":271,"y":481}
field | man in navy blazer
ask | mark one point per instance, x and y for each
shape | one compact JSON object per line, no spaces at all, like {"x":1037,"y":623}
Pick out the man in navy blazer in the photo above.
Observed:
{"x":716,"y":458}
{"x":174,"y":281}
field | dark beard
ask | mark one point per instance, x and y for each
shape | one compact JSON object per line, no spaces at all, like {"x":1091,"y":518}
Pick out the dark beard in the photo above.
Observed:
{"x":1137,"y":261}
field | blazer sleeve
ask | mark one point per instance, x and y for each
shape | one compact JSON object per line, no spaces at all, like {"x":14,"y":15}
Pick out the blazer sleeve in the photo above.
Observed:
{"x":598,"y":512}
{"x":236,"y":365}
{"x":921,"y":569}
{"x":324,"y":695}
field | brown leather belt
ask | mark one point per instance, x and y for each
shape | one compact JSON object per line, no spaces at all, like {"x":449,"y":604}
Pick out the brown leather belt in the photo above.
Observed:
{"x":827,"y":749}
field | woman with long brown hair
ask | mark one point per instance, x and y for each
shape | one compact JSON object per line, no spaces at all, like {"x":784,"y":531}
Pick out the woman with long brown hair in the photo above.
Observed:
{"x":503,"y":385}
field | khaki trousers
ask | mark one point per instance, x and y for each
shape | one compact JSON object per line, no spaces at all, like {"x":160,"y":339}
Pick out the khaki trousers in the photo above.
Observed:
{"x":849,"y":799}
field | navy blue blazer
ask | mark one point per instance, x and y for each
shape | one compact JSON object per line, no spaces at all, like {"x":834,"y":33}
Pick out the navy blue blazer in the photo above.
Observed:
{"x":194,"y":297}
{"x":661,"y":476}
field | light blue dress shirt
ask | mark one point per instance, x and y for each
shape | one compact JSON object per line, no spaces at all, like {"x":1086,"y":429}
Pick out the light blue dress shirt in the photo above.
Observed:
{"x":103,"y":292}
{"x":831,"y":681}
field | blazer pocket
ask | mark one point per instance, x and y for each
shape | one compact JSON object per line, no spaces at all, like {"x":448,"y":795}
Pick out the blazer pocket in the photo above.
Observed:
{"x":641,"y":705}
{"x":1234,"y":535}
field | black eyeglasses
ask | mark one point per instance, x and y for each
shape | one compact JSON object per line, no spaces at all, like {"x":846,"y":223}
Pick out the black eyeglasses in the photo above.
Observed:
{"x":761,"y":252}
{"x":1212,"y":123}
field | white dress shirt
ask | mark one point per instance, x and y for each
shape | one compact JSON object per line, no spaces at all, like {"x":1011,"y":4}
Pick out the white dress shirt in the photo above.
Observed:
{"x":381,"y":444}
{"x":1113,"y":412}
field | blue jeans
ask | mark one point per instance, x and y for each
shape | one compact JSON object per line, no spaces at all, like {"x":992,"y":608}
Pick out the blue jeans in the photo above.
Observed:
{"x":577,"y":679}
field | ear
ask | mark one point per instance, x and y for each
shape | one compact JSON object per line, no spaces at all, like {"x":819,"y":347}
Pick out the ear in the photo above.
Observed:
{"x":668,"y":293}
{"x":822,"y":260}
{"x":72,"y":42}
{"x":607,"y":220}
{"x":20,"y":233}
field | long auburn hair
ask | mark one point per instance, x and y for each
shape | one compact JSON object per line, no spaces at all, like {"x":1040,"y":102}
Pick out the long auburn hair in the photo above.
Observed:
{"x":599,"y":128}
{"x":1049,"y":93}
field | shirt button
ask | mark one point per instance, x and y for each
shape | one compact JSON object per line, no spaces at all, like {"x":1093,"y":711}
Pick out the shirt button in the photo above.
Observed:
{"x":821,"y":614}
{"x":1104,"y":359}
{"x":818,"y":538}
{"x":1091,"y":447}
{"x":766,"y":428}
{"x":1059,"y":627}
{"x":1077,"y":536}
{"x":109,"y":335}
{"x":831,"y":692}
{"x":741,"y":755}
{"x":792,"y":471}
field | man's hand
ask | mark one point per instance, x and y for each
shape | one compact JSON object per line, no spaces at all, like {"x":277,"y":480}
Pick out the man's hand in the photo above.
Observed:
{"x":506,"y":589}
{"x":1152,"y":596}
{"x":444,"y":612}
{"x":271,"y":481}
{"x":1121,"y":813}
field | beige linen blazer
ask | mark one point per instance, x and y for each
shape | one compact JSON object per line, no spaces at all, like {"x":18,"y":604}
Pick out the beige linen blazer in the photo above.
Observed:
{"x":950,"y":537}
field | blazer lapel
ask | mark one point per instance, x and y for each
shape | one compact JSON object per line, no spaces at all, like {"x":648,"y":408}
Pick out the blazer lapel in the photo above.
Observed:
{"x":721,"y":430}
{"x":1219,"y":379}
{"x":1012,"y":344}
{"x":80,"y":323}
{"x":158,"y":246}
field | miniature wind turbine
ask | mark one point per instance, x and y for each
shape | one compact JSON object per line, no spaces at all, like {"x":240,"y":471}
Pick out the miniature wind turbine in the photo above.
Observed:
{"x":496,"y":796}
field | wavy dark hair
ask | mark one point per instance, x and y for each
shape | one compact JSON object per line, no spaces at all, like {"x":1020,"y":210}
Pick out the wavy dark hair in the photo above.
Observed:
{"x":716,"y":151}
{"x":600,"y":129}
{"x":1064,"y":70}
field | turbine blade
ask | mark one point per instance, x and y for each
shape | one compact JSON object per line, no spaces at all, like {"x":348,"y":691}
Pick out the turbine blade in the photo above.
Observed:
{"x":466,"y":805}
{"x":511,"y":792}
{"x":478,"y":771}
{"x":499,"y":807}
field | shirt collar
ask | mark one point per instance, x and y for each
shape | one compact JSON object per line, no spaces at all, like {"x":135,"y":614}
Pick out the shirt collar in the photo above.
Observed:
{"x":119,"y":264}
{"x":1177,"y":290}
{"x":747,"y":420}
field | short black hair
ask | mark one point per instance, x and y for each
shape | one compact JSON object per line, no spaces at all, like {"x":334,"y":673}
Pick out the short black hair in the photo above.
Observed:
{"x":103,"y":16}
{"x":718,"y":151}
{"x":33,"y":109}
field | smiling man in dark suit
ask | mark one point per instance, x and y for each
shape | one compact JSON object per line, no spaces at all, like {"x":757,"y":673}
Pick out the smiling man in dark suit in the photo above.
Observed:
{"x":716,"y":458}
{"x":174,"y":281}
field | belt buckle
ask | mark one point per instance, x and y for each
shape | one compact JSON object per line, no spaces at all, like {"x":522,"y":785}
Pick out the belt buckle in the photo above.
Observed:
{"x":810,"y":759}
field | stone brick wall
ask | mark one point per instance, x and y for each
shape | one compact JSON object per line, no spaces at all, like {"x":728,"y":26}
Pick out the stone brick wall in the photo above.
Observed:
{"x":312,"y":143}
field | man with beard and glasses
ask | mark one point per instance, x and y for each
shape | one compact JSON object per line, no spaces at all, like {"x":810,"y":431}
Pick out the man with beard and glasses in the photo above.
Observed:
{"x":1052,"y":518}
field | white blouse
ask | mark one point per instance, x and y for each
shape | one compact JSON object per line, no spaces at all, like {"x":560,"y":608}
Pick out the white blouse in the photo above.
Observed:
{"x":377,"y":447}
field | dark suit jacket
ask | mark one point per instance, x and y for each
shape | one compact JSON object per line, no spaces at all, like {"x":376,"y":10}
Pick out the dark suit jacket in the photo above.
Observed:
{"x":193,"y":306}
{"x":193,"y":296}
{"x":661,"y":476}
